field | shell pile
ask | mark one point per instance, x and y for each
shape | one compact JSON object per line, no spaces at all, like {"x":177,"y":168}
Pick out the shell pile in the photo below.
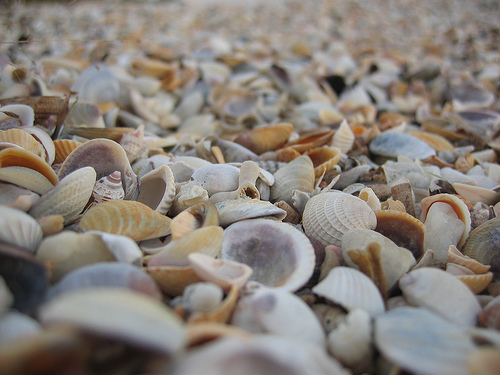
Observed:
{"x":281,"y":187}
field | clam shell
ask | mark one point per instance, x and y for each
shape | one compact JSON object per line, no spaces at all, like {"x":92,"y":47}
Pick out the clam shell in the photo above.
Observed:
{"x":23,"y":139}
{"x":27,"y":178}
{"x":483,"y":244}
{"x":108,"y":188}
{"x":20,"y":229}
{"x":215,"y":178}
{"x":442,"y":293}
{"x":352,"y":289}
{"x":396,"y":144}
{"x":269,"y":138}
{"x":231,"y":211}
{"x":130,"y":317}
{"x":44,"y":139}
{"x":324,"y":159}
{"x":25,"y":112}
{"x":68,"y":197}
{"x":296,"y":175}
{"x":327,"y":216}
{"x":64,"y":147}
{"x":158,"y":189}
{"x":456,"y":257}
{"x":22,"y":158}
{"x":200,"y":215}
{"x":127,"y":218}
{"x":280,"y":255}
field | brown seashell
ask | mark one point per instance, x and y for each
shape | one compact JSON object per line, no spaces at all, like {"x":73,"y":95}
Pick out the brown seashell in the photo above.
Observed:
{"x":22,"y":158}
{"x":128,"y":218}
{"x":23,"y":139}
{"x":26,"y":177}
{"x":456,"y":257}
{"x":264,"y":139}
{"x":403,"y":229}
{"x":324,"y":159}
{"x":315,"y":138}
{"x":64,"y":147}
{"x":292,"y":216}
{"x":172,"y":280}
{"x":114,"y":134}
{"x":287,"y":154}
{"x":483,"y":244}
{"x":152,"y":67}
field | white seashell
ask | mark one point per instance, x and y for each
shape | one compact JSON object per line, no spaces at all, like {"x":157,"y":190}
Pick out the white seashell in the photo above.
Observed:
{"x":188,"y":196}
{"x":369,"y":196}
{"x":477,"y":193}
{"x":158,"y":189}
{"x":422,"y":342}
{"x":231,"y":211}
{"x":25,"y":113}
{"x":15,"y":325}
{"x":20,"y":229}
{"x":123,"y":248}
{"x":296,"y":175}
{"x":343,"y":138}
{"x":280,"y":255}
{"x":327,"y":216}
{"x":204,"y":297}
{"x":45,"y":140}
{"x":281,"y":313}
{"x":6,"y":297}
{"x":443,"y":293}
{"x":97,"y":85}
{"x":352,"y":289}
{"x":216,"y":178}
{"x":84,"y":114}
{"x":108,"y":188}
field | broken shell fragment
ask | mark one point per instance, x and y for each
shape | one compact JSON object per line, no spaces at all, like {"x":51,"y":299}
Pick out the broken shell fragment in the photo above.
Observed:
{"x":269,"y":138}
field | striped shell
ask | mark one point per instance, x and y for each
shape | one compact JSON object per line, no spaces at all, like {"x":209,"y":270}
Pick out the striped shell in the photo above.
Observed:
{"x":24,"y":139}
{"x":20,"y":229}
{"x":264,"y":139}
{"x":483,"y":244}
{"x":26,"y":177}
{"x":327,"y":216}
{"x":64,"y":147}
{"x":108,"y":188}
{"x":20,"y":157}
{"x":296,"y":175}
{"x":343,"y":138}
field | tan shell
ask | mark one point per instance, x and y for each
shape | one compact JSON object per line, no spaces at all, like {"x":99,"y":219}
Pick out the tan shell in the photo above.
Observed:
{"x":114,"y":134}
{"x":316,"y":138}
{"x":23,"y":139}
{"x":108,"y":188}
{"x":64,"y":147}
{"x":476,"y":283}
{"x":158,"y":189}
{"x":296,"y":175}
{"x":133,"y":143}
{"x":26,"y":177}
{"x":476,"y":194}
{"x":369,"y":196}
{"x":324,"y":159}
{"x":343,"y":138}
{"x":233,"y":210}
{"x":200,"y":215}
{"x":51,"y":224}
{"x":327,"y":216}
{"x":172,"y":280}
{"x":20,"y":229}
{"x":264,"y":139}
{"x":68,"y":197}
{"x":222,"y":313}
{"x":482,"y":244}
{"x":484,"y":361}
{"x":128,"y":218}
{"x":456,"y":257}
{"x":188,"y":195}
{"x":20,"y":157}
{"x":436,"y":141}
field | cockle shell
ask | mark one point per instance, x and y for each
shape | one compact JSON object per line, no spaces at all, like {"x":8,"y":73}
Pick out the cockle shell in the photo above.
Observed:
{"x":280,"y":255}
{"x":123,"y":315}
{"x":26,"y":177}
{"x":68,"y":197}
{"x":351,"y":289}
{"x":22,"y":158}
{"x":441,"y":292}
{"x":327,"y":216}
{"x":108,"y":188}
{"x":269,"y":138}
{"x":158,"y":189}
{"x":483,"y":244}
{"x":23,"y":139}
{"x":128,"y":218}
{"x":231,"y":211}
{"x":20,"y":229}
{"x":296,"y":175}
{"x":63,"y":148}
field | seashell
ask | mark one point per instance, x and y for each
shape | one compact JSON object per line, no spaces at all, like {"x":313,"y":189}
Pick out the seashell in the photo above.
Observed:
{"x":68,"y":197}
{"x":327,"y":216}
{"x":269,"y":138}
{"x":188,"y":195}
{"x":23,"y":112}
{"x":369,"y":196}
{"x":200,"y":215}
{"x":482,"y":244}
{"x":105,"y":156}
{"x":233,"y":152}
{"x":133,"y":143}
{"x":343,"y":138}
{"x":351,"y":289}
{"x":127,"y":218}
{"x":222,"y":272}
{"x":287,"y":154}
{"x":483,"y":361}
{"x":233,"y":105}
{"x":25,"y":177}
{"x":441,"y":293}
{"x":436,"y":141}
{"x":19,"y":229}
{"x":249,"y":173}
{"x":231,"y":211}
{"x":396,"y":144}
{"x":296,"y":175}
{"x":401,"y":190}
{"x":282,"y":260}
{"x":44,"y":139}
{"x":158,"y":189}
{"x":6,"y":297}
{"x":84,"y":114}
{"x":97,"y":85}
{"x":456,"y":257}
{"x":206,"y":240}
{"x":202,"y":297}
{"x":216,"y":178}
{"x":23,"y":139}
{"x":316,"y":138}
{"x":51,"y":224}
{"x":475,"y":194}
{"x":324,"y":159}
{"x":124,"y":315}
{"x":123,"y":248}
{"x":172,"y":280}
{"x":432,"y":346}
{"x":114,"y":134}
{"x":151,"y":67}
{"x":203,"y":332}
{"x":15,"y":325}
{"x":278,"y":312}
{"x":63,"y":148}
{"x":106,"y":275}
{"x":221,"y":314}
{"x":459,"y":208}
{"x":19,"y":157}
{"x":403,"y":229}
{"x":391,"y":204}
{"x":292,"y":216}
{"x":351,"y":342}
{"x":476,"y":283}
{"x":490,"y":315}
{"x":17,"y":197}
{"x":108,"y":188}
{"x":376,"y":256}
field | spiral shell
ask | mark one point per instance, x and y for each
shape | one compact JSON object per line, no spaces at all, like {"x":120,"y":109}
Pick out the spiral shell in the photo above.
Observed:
{"x":327,"y":216}
{"x":108,"y":188}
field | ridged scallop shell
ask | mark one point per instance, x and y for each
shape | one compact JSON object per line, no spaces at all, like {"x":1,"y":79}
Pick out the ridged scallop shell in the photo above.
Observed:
{"x":343,"y":138}
{"x":441,"y":292}
{"x":22,"y":158}
{"x":158,"y":189}
{"x":483,"y":244}
{"x":476,"y":283}
{"x":108,"y":188}
{"x":23,"y":139}
{"x":128,"y":218}
{"x":68,"y":197}
{"x":265,"y":139}
{"x":123,"y":315}
{"x":25,"y":177}
{"x":296,"y":175}
{"x":198,"y":216}
{"x":231,"y":211}
{"x":456,"y":257}
{"x":352,"y":289}
{"x":20,"y":229}
{"x":280,"y":255}
{"x":64,"y":147}
{"x":44,"y":139}
{"x":105,"y":156}
{"x":327,"y":216}
{"x":133,"y":143}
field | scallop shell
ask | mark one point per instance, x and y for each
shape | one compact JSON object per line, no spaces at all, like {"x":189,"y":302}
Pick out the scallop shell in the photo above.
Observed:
{"x":23,"y":139}
{"x":127,"y":218}
{"x":123,"y":315}
{"x":68,"y":197}
{"x":456,"y":257}
{"x":158,"y":189}
{"x":44,"y":139}
{"x":22,"y":158}
{"x":64,"y":147}
{"x":296,"y":175}
{"x":269,"y":138}
{"x":327,"y":216}
{"x":20,"y":229}
{"x":26,"y":177}
{"x":231,"y":211}
{"x":351,"y":289}
{"x":105,"y":156}
{"x":280,"y":255}
{"x":442,"y":293}
{"x":483,"y":244}
{"x":343,"y":138}
{"x":108,"y":188}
